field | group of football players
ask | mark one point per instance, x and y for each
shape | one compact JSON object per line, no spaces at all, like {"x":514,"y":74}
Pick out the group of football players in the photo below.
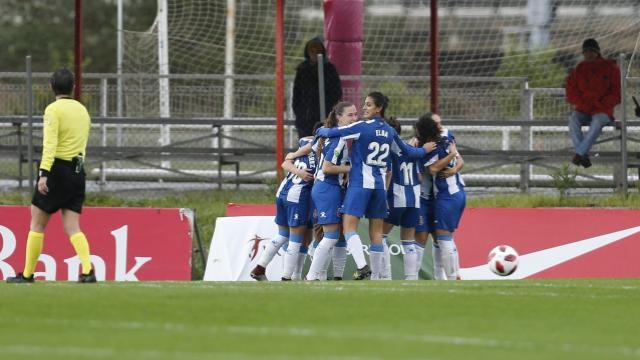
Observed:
{"x":354,"y":168}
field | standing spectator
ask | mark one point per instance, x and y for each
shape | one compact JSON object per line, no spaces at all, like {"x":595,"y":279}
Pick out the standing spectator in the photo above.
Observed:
{"x":61,"y":179}
{"x":306,"y":96}
{"x":593,"y":90}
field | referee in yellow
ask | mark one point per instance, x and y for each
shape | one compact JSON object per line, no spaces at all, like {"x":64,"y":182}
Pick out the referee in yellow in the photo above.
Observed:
{"x":61,"y":179}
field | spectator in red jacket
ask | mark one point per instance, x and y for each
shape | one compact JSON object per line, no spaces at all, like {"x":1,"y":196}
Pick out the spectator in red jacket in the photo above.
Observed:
{"x":593,"y":90}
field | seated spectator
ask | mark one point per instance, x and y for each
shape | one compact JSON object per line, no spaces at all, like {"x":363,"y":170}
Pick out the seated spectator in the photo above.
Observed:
{"x":593,"y":90}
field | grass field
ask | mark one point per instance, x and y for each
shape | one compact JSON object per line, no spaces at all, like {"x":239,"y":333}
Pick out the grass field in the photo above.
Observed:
{"x":563,"y":319}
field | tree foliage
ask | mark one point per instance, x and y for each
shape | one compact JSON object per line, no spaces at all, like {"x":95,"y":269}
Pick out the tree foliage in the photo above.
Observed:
{"x":542,"y":72}
{"x":44,"y":29}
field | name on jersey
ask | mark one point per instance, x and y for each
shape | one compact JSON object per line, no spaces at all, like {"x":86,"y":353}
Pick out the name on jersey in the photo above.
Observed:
{"x":312,"y":160}
{"x":383,"y":133}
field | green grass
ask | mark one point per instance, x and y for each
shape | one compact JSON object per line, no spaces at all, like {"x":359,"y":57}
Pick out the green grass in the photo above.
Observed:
{"x":562,"y":319}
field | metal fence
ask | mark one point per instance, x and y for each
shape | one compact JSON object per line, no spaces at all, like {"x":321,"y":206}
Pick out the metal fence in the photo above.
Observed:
{"x":512,"y":136}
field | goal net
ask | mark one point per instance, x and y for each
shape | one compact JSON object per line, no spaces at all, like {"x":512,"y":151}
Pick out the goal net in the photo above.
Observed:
{"x":539,"y":40}
{"x":490,"y":52}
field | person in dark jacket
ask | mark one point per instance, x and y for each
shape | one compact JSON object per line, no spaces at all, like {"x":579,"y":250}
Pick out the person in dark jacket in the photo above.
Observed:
{"x":593,"y":91}
{"x":306,"y":96}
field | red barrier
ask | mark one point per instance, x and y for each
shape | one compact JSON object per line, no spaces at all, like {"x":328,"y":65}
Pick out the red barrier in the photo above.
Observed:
{"x":552,"y":243}
{"x":599,"y":248}
{"x":127,"y":244}
{"x":250,"y":209}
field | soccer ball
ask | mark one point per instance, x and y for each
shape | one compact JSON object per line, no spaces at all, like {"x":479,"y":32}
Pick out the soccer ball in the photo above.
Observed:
{"x":503,"y":260}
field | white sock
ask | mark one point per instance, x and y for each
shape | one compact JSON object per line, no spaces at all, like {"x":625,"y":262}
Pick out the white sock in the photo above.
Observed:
{"x":271,"y":249}
{"x":419,"y":255}
{"x":323,"y":273}
{"x":449,"y":254}
{"x":339,"y":258}
{"x":385,"y":273}
{"x":297,"y":272}
{"x":409,"y":259}
{"x":376,"y":253}
{"x":312,"y":248}
{"x":438,"y":269}
{"x":292,"y":255}
{"x":456,"y":262}
{"x":354,"y":244}
{"x":322,"y":254}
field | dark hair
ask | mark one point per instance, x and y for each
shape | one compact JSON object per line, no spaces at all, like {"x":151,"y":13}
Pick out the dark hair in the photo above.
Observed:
{"x":338,"y":109}
{"x":332,"y":121}
{"x":62,"y":82}
{"x":427,"y":129}
{"x":380,"y":100}
{"x":394,"y":123}
{"x":591,"y":44}
{"x":317,"y":126}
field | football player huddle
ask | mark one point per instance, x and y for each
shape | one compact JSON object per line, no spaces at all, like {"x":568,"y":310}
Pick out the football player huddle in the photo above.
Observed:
{"x":354,"y":168}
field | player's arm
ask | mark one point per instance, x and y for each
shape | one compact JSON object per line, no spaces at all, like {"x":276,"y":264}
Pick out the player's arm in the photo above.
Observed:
{"x":304,"y":174}
{"x":341,"y":131}
{"x":330,"y":168}
{"x":412,"y":152}
{"x":447,"y":172}
{"x":333,"y":163}
{"x":306,"y":149}
{"x":459,"y":163}
{"x":440,"y":164}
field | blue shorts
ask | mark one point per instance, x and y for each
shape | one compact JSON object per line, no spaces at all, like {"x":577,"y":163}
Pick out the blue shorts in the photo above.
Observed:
{"x":327,"y":200}
{"x":449,"y":209}
{"x":293,"y":214}
{"x":426,"y":216}
{"x":406,"y":217}
{"x":371,"y":203}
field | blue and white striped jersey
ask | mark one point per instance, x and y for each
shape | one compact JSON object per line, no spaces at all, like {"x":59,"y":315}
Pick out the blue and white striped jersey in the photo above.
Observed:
{"x":293,"y":188}
{"x":427,"y":188}
{"x":452,"y":184}
{"x":373,"y":141}
{"x":335,"y":151}
{"x":405,"y":182}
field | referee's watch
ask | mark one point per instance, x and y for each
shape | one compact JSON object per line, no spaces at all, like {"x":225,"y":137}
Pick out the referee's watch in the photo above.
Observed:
{"x":43,"y":173}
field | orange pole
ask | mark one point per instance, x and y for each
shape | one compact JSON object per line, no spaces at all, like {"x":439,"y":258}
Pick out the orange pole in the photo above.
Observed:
{"x":279,"y":86}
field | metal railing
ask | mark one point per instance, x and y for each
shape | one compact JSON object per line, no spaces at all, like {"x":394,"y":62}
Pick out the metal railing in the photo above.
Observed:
{"x":511,"y":135}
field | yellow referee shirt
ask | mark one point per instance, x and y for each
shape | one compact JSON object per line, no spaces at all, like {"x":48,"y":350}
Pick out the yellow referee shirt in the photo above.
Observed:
{"x":65,"y":132}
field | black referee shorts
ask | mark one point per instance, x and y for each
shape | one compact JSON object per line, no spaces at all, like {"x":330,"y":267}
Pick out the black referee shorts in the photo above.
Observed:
{"x":66,"y":188}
